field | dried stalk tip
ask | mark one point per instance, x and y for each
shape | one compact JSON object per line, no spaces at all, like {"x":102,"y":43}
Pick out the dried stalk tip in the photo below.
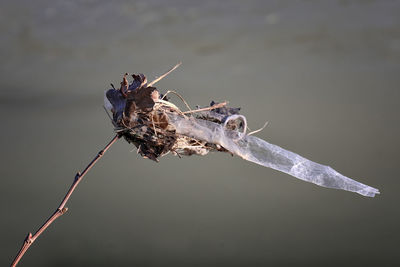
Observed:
{"x":141,"y":115}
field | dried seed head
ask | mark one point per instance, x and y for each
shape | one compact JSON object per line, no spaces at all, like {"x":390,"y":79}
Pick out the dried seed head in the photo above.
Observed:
{"x":141,"y":122}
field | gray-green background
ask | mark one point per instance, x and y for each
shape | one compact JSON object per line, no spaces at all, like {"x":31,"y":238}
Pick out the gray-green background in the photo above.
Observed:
{"x":325,"y":74}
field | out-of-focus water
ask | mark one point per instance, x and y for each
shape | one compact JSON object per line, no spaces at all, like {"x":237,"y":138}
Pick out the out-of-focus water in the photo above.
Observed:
{"x":325,"y":74}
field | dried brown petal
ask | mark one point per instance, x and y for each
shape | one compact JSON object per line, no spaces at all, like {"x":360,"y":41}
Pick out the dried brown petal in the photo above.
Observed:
{"x":143,"y":98}
{"x":160,"y":120}
{"x":139,"y":80}
{"x":124,"y":86}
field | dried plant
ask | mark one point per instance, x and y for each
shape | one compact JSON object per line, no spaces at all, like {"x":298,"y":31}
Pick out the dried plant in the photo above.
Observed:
{"x":156,"y":127}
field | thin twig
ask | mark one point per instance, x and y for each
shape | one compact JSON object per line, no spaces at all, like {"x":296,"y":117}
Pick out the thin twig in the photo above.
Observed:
{"x":154,"y":126}
{"x":259,"y":130}
{"x":163,"y":76}
{"x":220,"y":105}
{"x":61,"y":208}
{"x":178,"y":95}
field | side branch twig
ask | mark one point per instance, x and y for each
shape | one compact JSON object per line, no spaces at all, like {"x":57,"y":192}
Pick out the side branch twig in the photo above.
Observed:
{"x":61,"y":208}
{"x":219,"y":105}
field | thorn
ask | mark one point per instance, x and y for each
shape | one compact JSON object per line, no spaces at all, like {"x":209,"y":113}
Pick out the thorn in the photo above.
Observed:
{"x":62,"y":211}
{"x":28,"y":238}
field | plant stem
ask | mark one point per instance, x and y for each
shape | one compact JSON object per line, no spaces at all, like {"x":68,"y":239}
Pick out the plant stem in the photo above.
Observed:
{"x":61,"y":208}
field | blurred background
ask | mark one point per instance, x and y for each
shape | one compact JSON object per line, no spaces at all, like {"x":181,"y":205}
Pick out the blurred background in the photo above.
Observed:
{"x":325,"y":74}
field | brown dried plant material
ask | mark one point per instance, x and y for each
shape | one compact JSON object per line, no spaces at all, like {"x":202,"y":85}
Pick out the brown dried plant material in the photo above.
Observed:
{"x":139,"y":115}
{"x":147,"y":120}
{"x":216,"y":128}
{"x":135,"y":119}
{"x":143,"y":98}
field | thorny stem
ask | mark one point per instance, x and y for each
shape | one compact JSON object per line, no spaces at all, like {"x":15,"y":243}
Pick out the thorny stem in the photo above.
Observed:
{"x":61,"y":208}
